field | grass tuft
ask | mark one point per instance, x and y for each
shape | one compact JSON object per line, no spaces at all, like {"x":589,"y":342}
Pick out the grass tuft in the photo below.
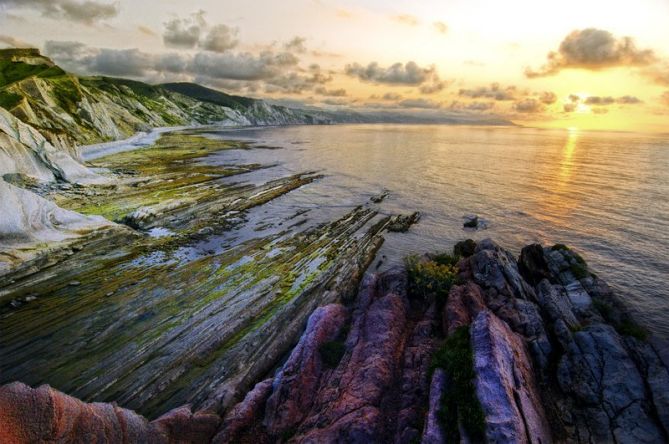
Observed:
{"x":459,"y":404}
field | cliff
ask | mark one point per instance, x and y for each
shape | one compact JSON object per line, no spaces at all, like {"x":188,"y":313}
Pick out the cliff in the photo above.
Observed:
{"x":473,"y":347}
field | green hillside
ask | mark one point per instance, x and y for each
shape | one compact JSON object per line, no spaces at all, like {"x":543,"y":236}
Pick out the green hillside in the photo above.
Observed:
{"x":204,"y":94}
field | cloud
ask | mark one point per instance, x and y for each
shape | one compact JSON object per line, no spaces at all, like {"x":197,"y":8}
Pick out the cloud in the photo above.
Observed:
{"x":441,"y":27}
{"x":87,"y":12}
{"x":184,"y":33}
{"x":664,"y":98}
{"x":432,"y":88}
{"x":14,"y":42}
{"x":297,"y":44}
{"x":193,"y":31}
{"x":220,"y":38}
{"x":146,"y":30}
{"x":659,"y":74}
{"x":419,"y":103}
{"x":406,"y":19}
{"x":528,"y":106}
{"x":593,"y":49}
{"x":605,"y":101}
{"x":494,"y":91}
{"x":340,"y":92}
{"x":548,"y":97}
{"x":570,"y":107}
{"x":396,"y":74}
{"x":471,"y":106}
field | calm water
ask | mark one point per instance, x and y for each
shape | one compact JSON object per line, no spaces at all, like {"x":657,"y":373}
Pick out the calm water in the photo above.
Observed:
{"x":604,"y":194}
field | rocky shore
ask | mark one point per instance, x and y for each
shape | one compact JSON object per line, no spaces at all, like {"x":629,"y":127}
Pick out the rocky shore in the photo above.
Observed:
{"x":472,"y":346}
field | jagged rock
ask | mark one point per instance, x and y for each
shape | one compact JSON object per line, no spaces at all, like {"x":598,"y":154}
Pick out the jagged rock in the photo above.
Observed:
{"x":505,"y":384}
{"x":28,"y":218}
{"x":46,"y":415}
{"x":532,"y":264}
{"x":401,"y":223}
{"x":297,"y":381}
{"x":432,"y":432}
{"x":463,"y":304}
{"x":602,"y":378}
{"x":494,"y":267}
{"x":244,"y":415}
{"x":24,"y":150}
{"x":465,"y":248}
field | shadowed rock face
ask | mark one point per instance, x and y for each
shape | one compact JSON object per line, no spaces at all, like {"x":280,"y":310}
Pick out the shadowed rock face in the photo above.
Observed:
{"x":547,"y":366}
{"x":46,"y":415}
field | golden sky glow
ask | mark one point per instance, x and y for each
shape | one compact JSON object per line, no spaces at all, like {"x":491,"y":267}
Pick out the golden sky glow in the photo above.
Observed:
{"x":450,"y":53}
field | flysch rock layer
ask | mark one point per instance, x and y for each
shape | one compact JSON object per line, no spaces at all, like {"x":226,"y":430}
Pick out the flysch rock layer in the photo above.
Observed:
{"x":551,"y":364}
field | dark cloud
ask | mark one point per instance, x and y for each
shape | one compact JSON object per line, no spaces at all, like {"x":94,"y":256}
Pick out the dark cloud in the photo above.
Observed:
{"x":419,"y":103}
{"x":321,"y":90}
{"x":528,"y":106}
{"x":193,"y":31}
{"x":593,"y":49}
{"x":548,"y":97}
{"x":87,"y":12}
{"x":494,"y":91}
{"x":441,"y":27}
{"x":184,"y":33}
{"x":604,"y":101}
{"x":434,"y":87}
{"x":396,"y":74}
{"x":220,"y":38}
{"x":297,"y":44}
{"x":471,"y":106}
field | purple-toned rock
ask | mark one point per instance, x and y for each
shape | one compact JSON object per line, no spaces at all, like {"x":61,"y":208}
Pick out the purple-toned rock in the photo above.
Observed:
{"x":432,"y":432}
{"x":297,"y":381}
{"x":349,"y":407}
{"x":505,"y":384}
{"x":245,"y":415}
{"x":414,"y":382}
{"x":43,"y":414}
{"x":463,"y":304}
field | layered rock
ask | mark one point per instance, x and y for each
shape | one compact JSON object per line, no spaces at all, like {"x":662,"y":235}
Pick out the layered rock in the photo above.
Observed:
{"x":548,"y":351}
{"x":45,"y":415}
{"x":371,"y":394}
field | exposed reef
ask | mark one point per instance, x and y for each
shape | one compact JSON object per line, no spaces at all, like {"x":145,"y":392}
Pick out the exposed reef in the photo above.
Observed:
{"x":475,"y":348}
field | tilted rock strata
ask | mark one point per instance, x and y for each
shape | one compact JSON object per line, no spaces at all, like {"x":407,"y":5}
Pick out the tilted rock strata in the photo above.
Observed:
{"x":45,"y":415}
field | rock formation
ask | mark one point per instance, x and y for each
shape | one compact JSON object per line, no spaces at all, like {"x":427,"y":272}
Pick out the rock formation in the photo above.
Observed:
{"x":531,"y":353}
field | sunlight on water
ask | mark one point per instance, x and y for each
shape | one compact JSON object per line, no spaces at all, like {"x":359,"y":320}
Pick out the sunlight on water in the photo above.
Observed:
{"x":605,"y":194}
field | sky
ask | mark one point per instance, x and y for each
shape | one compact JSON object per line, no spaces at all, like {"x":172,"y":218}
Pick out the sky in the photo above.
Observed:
{"x":587,"y":64}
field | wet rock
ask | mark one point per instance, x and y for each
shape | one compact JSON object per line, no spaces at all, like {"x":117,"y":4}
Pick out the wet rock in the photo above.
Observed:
{"x":380,"y":197}
{"x":465,"y":248}
{"x":471,"y":222}
{"x":532,"y":264}
{"x":505,"y":384}
{"x":401,"y":223}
